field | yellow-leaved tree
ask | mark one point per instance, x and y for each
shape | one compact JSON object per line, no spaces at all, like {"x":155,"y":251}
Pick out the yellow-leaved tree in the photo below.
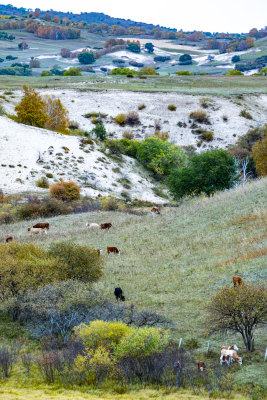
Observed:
{"x":47,"y":112}
{"x":259,"y":152}
{"x":31,"y":109}
{"x":57,"y":115}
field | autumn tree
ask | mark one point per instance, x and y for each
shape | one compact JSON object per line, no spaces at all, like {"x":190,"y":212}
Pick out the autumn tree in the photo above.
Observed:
{"x":65,"y":53}
{"x":56,"y":20}
{"x":238,"y":309}
{"x":36,"y":13}
{"x":259,"y":153}
{"x":47,"y":17}
{"x":57,"y":115}
{"x":31,"y":109}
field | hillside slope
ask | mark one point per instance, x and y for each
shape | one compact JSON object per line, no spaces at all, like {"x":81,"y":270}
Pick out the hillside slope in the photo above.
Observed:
{"x":174,"y":263}
{"x":28,"y":153}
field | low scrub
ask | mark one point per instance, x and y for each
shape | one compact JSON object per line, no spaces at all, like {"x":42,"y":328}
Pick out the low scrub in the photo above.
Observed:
{"x":42,"y":183}
{"x":65,"y":191}
{"x":245,"y":114}
{"x":207,"y":136}
{"x":120,"y":119}
{"x":200,"y":116}
{"x":171,"y":107}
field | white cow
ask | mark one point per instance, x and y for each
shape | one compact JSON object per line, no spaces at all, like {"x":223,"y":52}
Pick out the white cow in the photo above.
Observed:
{"x":229,"y":356}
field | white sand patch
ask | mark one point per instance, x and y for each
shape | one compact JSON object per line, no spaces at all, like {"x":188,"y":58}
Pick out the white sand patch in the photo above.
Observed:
{"x":251,"y":72}
{"x":224,"y":58}
{"x":16,"y":150}
{"x":21,"y":146}
{"x":228,"y":66}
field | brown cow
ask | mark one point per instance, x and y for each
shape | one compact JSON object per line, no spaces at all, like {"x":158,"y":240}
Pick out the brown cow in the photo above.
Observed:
{"x":9,"y":239}
{"x":113,"y":250}
{"x":43,"y":225}
{"x":201,"y":366}
{"x":155,"y":210}
{"x":238,"y":281}
{"x":106,"y":225}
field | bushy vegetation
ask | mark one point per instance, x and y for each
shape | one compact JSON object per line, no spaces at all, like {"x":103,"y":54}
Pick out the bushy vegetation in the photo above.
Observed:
{"x":73,"y":71}
{"x":42,"y":183}
{"x":239,"y":309}
{"x":259,"y":153}
{"x":245,"y":114}
{"x":86,"y":57}
{"x":31,"y":109}
{"x":155,"y":154}
{"x":120,"y":119}
{"x":234,"y":72}
{"x":100,"y":132}
{"x":171,"y":107}
{"x":43,"y":112}
{"x":123,"y":71}
{"x":185,"y":59}
{"x":65,"y":191}
{"x":200,"y":116}
{"x":206,"y":173}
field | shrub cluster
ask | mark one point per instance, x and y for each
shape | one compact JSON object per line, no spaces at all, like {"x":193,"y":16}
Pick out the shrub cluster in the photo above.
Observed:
{"x":66,"y":191}
{"x":155,"y":154}
{"x":28,"y":266}
{"x":199,"y":116}
{"x":42,"y":112}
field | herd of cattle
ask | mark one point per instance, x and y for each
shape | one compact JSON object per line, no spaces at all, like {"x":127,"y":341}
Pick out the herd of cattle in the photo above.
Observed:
{"x":228,"y":353}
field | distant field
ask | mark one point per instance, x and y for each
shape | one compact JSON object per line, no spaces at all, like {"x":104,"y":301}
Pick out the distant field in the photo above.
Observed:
{"x":213,"y":85}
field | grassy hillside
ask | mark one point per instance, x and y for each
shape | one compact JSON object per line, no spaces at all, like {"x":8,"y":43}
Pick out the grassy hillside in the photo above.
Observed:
{"x":176,"y":262}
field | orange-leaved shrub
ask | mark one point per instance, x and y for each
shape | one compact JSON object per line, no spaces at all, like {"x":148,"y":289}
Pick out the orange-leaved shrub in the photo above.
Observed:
{"x":66,"y":191}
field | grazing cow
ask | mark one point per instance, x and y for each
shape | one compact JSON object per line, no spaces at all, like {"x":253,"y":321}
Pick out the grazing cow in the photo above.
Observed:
{"x":225,"y":359}
{"x":9,"y":239}
{"x":92,"y":225}
{"x":98,"y":251}
{"x":229,"y":356}
{"x":43,"y":225}
{"x":201,"y":366}
{"x":155,"y":211}
{"x":234,"y":347}
{"x":36,"y":231}
{"x":238,"y":281}
{"x":118,"y":294}
{"x":106,"y":225}
{"x":113,"y":250}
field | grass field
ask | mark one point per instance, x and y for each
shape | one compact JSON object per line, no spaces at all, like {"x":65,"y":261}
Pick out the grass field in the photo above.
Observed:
{"x":199,"y":85}
{"x":175,"y":263}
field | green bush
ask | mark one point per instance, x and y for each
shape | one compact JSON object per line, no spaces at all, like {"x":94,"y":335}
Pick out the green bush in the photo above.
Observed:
{"x":245,"y":114}
{"x":123,"y":71}
{"x":206,"y":173}
{"x":82,"y":262}
{"x":185,"y":59}
{"x":133,"y":47}
{"x":171,"y":107}
{"x":141,"y":342}
{"x":183,"y":73}
{"x":2,"y":110}
{"x":42,"y":183}
{"x":234,"y":72}
{"x":147,"y":71}
{"x":73,"y":72}
{"x":27,"y":266}
{"x":101,"y":333}
{"x":235,"y":59}
{"x":100,"y":132}
{"x":160,"y":156}
{"x":207,"y":136}
{"x":86,"y":57}
{"x":46,"y":73}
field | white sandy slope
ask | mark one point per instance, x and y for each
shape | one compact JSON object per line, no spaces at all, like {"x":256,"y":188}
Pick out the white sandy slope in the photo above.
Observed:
{"x":115,"y":102}
{"x":21,"y":146}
